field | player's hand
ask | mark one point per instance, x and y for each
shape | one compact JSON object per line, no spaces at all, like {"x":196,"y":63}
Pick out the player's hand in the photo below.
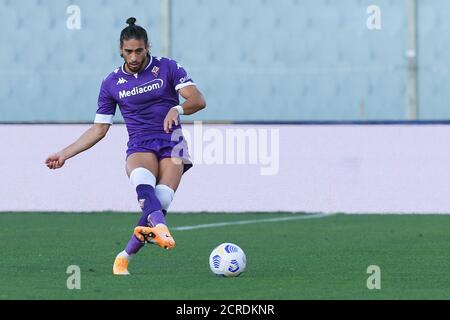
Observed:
{"x":55,"y":161}
{"x":171,"y":118}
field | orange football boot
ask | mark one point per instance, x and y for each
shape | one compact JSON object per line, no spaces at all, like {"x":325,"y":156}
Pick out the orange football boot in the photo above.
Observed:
{"x":159,"y":235}
{"x":120,"y":266}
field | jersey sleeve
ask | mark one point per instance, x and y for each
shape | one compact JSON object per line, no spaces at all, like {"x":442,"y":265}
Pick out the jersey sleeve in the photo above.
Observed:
{"x":106,"y":105}
{"x":180,"y":77}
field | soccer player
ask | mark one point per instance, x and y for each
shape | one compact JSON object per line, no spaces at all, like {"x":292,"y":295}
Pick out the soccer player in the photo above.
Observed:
{"x":147,"y":90}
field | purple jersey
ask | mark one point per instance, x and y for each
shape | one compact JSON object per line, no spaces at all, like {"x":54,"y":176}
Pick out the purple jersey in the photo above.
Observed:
{"x":143,"y":98}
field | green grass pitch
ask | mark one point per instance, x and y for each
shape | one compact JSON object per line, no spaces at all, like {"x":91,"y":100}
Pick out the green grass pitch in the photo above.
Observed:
{"x":324,"y":258}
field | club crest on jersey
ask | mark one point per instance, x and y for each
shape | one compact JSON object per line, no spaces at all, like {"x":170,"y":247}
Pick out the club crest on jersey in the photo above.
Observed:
{"x":155,"y":71}
{"x":142,"y":203}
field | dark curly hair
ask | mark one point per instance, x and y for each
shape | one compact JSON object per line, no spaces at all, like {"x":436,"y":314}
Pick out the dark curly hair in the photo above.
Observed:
{"x":133,"y":31}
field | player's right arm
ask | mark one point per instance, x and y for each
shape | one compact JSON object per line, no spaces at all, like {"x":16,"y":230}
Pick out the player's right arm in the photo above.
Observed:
{"x":103,"y":120}
{"x":87,"y":140}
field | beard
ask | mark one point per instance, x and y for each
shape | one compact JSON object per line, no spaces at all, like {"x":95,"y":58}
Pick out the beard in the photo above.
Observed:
{"x":136,"y":67}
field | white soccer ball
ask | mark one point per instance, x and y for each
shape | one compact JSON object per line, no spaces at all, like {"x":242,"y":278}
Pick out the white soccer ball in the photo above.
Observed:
{"x":228,"y":260}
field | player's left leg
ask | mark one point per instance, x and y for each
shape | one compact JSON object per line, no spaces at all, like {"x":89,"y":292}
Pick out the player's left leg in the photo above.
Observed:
{"x":169,"y":177}
{"x":174,"y":162}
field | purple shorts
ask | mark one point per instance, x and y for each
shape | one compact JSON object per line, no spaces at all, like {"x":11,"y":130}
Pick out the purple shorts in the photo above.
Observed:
{"x":162,"y":148}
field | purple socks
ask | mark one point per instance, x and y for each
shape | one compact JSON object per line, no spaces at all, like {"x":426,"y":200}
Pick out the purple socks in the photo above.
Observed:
{"x":156,"y":218}
{"x":150,"y":205}
{"x":152,"y":214}
{"x":134,"y":245}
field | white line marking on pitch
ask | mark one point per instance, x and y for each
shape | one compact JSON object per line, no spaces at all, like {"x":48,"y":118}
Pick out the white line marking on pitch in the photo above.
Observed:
{"x":231,"y":223}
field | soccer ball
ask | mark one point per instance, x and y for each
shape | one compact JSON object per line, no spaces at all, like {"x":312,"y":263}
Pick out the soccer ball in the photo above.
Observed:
{"x":228,"y":260}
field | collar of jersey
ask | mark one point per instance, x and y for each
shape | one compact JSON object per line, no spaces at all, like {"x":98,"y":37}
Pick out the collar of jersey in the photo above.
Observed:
{"x":133,"y":74}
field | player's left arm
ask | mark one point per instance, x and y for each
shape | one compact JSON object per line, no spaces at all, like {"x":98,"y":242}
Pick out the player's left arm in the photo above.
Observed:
{"x":194,"y":103}
{"x":194,"y":100}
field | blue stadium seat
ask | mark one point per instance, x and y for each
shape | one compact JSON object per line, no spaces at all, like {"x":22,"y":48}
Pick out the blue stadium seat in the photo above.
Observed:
{"x":297,"y":59}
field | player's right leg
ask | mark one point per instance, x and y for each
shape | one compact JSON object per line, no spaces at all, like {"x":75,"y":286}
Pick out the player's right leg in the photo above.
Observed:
{"x":169,"y":177}
{"x":142,"y":169}
{"x":152,"y":226}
